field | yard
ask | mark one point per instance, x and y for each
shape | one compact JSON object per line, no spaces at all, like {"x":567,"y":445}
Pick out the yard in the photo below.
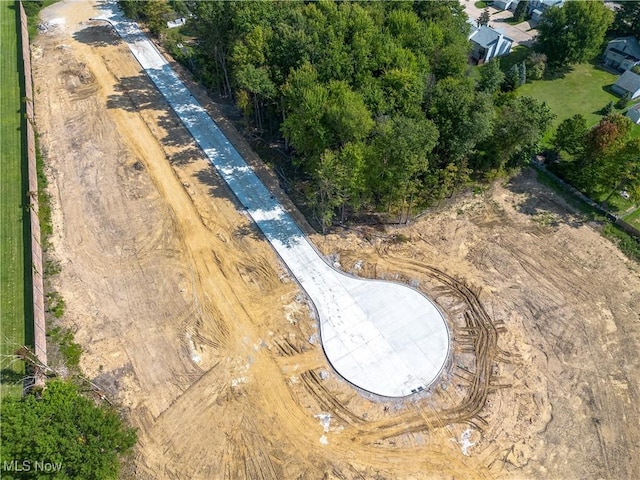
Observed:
{"x":633,"y":218}
{"x":12,"y":213}
{"x":581,"y":90}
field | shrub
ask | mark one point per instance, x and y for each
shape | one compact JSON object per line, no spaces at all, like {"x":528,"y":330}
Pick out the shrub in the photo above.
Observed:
{"x":536,"y":65}
{"x":608,"y":109}
{"x":622,"y":103}
{"x":62,"y":427}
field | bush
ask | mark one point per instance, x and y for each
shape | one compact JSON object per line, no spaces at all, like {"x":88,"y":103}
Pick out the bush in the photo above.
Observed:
{"x":63,"y":428}
{"x":622,"y":103}
{"x":70,"y":350}
{"x":608,"y":109}
{"x":536,"y":65}
{"x":629,"y":245}
{"x":55,"y":304}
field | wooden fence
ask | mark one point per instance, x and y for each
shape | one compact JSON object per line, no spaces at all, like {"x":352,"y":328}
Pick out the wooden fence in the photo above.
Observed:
{"x":39,"y":327}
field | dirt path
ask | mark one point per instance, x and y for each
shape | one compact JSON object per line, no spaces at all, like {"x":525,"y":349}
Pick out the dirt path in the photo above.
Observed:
{"x":188,"y":319}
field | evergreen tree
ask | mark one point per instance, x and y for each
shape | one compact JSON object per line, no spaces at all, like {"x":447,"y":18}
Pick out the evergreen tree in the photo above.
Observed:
{"x":484,"y":17}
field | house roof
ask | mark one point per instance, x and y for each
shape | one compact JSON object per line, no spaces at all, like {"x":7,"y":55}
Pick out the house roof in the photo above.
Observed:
{"x":629,"y":47}
{"x":629,"y":81}
{"x":486,"y":36}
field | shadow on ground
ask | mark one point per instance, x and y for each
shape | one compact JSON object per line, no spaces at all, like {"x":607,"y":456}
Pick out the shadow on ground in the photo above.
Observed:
{"x":541,"y":203}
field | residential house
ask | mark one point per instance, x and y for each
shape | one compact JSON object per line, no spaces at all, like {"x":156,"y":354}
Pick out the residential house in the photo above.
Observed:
{"x":628,"y":83}
{"x":536,"y":8}
{"x":178,"y":22}
{"x":488,"y":43}
{"x":505,"y":4}
{"x":622,"y":53}
{"x":634,"y":113}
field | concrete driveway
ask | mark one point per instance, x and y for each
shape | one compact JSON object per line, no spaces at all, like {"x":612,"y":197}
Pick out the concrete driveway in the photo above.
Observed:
{"x":521,"y":34}
{"x":383,"y":337}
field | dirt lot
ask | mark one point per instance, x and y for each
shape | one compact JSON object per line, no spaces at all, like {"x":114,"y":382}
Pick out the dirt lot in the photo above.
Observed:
{"x":189,"y":321}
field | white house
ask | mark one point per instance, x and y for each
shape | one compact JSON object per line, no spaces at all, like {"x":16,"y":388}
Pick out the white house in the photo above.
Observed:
{"x":634,"y":113}
{"x":505,"y":4}
{"x":622,"y":53}
{"x":536,"y":8}
{"x":628,"y":83}
{"x":488,"y":43}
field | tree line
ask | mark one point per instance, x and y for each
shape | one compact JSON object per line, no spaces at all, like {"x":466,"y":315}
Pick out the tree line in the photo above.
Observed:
{"x":372,"y":99}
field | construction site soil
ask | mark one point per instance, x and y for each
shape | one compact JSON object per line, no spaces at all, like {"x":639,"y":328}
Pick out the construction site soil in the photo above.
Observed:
{"x":189,"y":321}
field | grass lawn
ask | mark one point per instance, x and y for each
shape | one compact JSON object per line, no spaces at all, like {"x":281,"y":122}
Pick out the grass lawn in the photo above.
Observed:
{"x":633,"y":218}
{"x":12,"y":194}
{"x":579,"y":91}
{"x":616,"y":203}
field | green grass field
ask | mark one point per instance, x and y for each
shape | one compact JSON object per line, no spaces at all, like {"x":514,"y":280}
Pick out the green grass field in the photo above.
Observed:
{"x":579,"y":91}
{"x":12,"y":194}
{"x":633,"y":218}
{"x":584,"y":89}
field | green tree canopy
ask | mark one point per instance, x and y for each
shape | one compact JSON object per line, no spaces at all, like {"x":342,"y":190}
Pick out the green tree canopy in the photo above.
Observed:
{"x":573,"y":33}
{"x":604,"y":153}
{"x":491,"y":77}
{"x":570,"y":135}
{"x":521,"y":124}
{"x":63,"y":427}
{"x":627,"y":19}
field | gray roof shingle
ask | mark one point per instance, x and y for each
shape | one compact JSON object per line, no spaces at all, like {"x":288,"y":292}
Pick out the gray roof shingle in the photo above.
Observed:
{"x":629,"y":81}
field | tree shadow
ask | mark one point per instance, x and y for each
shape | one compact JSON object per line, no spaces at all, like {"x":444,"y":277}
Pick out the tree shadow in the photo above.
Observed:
{"x":110,"y":382}
{"x":250,"y":230}
{"x":136,"y":94}
{"x":557,"y":72}
{"x":97,"y":36}
{"x":540,"y":204}
{"x":8,"y":376}
{"x":218,"y":188}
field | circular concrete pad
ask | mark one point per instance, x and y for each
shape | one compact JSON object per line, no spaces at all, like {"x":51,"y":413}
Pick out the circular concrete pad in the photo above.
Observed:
{"x":383,"y":337}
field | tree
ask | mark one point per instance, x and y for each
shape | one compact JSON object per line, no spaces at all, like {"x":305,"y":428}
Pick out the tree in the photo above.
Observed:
{"x":622,"y":171}
{"x":62,"y":426}
{"x":521,"y":124}
{"x":514,"y":77}
{"x":131,"y":8}
{"x":573,"y":33}
{"x":521,"y":11}
{"x":536,"y":65}
{"x":608,"y":108}
{"x":624,"y":100}
{"x":603,"y":145}
{"x":627,"y":19}
{"x":305,"y":100}
{"x":463,"y":118}
{"x":401,"y":149}
{"x":155,"y":12}
{"x":491,"y":77}
{"x":484,"y":17}
{"x":256,"y":82}
{"x":570,"y":135}
{"x":326,"y":194}
{"x":522,"y":73}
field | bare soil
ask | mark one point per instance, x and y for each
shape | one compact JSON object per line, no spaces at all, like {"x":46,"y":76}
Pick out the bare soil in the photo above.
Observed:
{"x":190,"y":322}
